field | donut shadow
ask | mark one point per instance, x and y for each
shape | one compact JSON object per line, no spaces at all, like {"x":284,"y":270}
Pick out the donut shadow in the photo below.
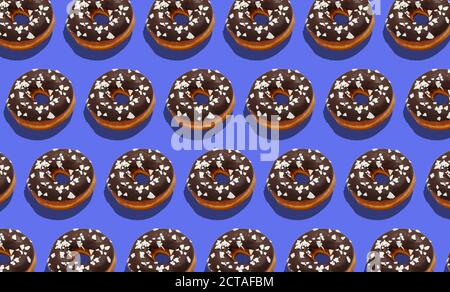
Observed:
{"x":373,"y":214}
{"x":114,"y":134}
{"x":253,"y":54}
{"x":214,"y":214}
{"x":34,"y":134}
{"x":93,"y":54}
{"x":15,"y":55}
{"x":353,"y":134}
{"x":54,"y":214}
{"x":412,"y":54}
{"x":134,"y":214}
{"x":294,"y":214}
{"x":173,"y":54}
{"x":424,"y":132}
{"x":6,"y":203}
{"x":333,"y":54}
{"x":437,"y":208}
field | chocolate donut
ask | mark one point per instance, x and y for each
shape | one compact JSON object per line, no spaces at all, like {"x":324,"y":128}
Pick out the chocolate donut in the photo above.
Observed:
{"x":412,"y":244}
{"x":412,"y":35}
{"x":49,"y":192}
{"x":108,"y":112}
{"x":188,"y":112}
{"x":64,"y":256}
{"x":268,"y":112}
{"x":16,"y":36}
{"x":438,"y":181}
{"x":83,"y":27}
{"x":29,"y":113}
{"x":290,"y":193}
{"x":250,"y":34}
{"x":165,"y":30}
{"x":251,"y":243}
{"x":134,"y":195}
{"x":421,"y":100}
{"x":210,"y":193}
{"x":353,"y":115}
{"x":328,"y":33}
{"x":20,"y":251}
{"x":7,"y":178}
{"x":169,"y":242}
{"x":331,"y":243}
{"x":362,"y":183}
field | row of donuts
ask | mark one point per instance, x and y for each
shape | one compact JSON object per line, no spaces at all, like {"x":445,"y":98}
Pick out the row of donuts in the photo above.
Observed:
{"x":242,"y":23}
{"x":178,"y":248}
{"x":237,"y":183}
{"x":262,"y":104}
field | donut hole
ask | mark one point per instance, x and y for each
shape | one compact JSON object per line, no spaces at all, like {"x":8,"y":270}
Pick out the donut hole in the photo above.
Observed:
{"x":361,"y":98}
{"x":322,"y":258}
{"x":441,"y":99}
{"x":200,"y":98}
{"x":420,"y":18}
{"x":61,"y":177}
{"x":120,"y":98}
{"x":83,"y":259}
{"x":402,"y":258}
{"x":281,"y":98}
{"x":41,"y":99}
{"x":20,"y":18}
{"x":142,"y":178}
{"x":221,"y":177}
{"x":161,"y":258}
{"x":260,"y":17}
{"x":339,"y":17}
{"x":242,"y":258}
{"x":180,"y":17}
{"x":100,"y":18}
{"x":4,"y":259}
{"x":381,"y":178}
{"x":300,"y":176}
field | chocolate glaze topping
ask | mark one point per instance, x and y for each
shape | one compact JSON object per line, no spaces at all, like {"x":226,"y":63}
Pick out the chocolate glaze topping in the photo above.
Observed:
{"x":161,"y":23}
{"x":361,"y":180}
{"x":81,"y":19}
{"x":170,"y":242}
{"x":151,"y":163}
{"x":321,"y":241}
{"x":404,"y":241}
{"x":92,"y":243}
{"x":72,"y":163}
{"x":293,"y":84}
{"x":315,"y":165}
{"x":400,"y":21}
{"x":438,"y":181}
{"x":241,"y":241}
{"x":19,"y":249}
{"x":6,"y":174}
{"x":421,"y":96}
{"x":241,"y":21}
{"x":237,"y":167}
{"x":181,"y":102}
{"x":39,"y":13}
{"x":51,"y":83}
{"x":101,"y":102}
{"x":321,"y":22}
{"x":371,"y":83}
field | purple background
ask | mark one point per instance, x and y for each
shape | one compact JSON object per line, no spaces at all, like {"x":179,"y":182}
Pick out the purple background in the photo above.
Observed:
{"x":242,"y":67}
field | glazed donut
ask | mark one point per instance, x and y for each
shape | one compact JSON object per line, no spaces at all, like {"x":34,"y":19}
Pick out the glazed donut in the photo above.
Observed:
{"x":438,"y":181}
{"x":20,"y":251}
{"x":413,"y":244}
{"x":211,"y":194}
{"x":92,"y":243}
{"x":112,"y":115}
{"x":327,"y":33}
{"x":49,"y":192}
{"x":248,"y":242}
{"x":169,"y":242}
{"x":244,"y":29}
{"x":331,"y":243}
{"x":350,"y":114}
{"x":89,"y":34}
{"x":130,"y":193}
{"x":41,"y":22}
{"x":421,"y":100}
{"x":7,"y":178}
{"x":415,"y":36}
{"x":166,"y":32}
{"x":187,"y":112}
{"x":30,"y":114}
{"x":262,"y":105}
{"x":293,"y":195}
{"x":368,"y":192}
